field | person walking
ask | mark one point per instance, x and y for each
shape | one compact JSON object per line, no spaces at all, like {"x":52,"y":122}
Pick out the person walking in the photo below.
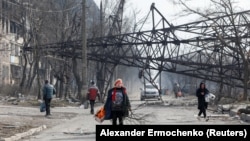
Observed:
{"x":202,"y":104}
{"x":48,"y":92}
{"x":177,"y":90}
{"x":117,"y":104}
{"x":93,"y":92}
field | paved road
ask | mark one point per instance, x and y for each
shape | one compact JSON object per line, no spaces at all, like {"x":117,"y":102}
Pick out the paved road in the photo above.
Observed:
{"x":82,"y":127}
{"x":172,"y":111}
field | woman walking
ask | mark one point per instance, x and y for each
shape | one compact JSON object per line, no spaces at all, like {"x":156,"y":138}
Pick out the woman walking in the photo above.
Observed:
{"x":117,"y":103}
{"x":202,"y":104}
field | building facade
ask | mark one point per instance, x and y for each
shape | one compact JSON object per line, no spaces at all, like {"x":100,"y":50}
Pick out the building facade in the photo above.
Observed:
{"x":10,"y":43}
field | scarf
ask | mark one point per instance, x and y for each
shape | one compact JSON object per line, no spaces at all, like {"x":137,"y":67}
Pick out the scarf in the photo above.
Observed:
{"x":114,"y":94}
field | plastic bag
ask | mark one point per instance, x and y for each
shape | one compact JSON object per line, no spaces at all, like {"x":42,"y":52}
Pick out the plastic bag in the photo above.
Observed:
{"x":42,"y":107}
{"x":209,"y":97}
{"x":100,"y":115}
{"x":86,"y":104}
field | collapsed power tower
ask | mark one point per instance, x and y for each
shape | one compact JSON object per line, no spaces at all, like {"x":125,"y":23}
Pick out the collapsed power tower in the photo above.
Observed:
{"x":205,"y":49}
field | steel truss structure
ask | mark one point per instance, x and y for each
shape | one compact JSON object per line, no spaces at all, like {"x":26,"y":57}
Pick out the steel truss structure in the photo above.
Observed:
{"x":201,"y":49}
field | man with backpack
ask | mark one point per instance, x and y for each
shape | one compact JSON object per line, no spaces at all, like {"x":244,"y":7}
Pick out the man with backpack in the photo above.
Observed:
{"x":117,"y":104}
{"x":93,"y":92}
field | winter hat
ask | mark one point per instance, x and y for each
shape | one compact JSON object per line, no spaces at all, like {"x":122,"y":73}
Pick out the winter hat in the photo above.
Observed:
{"x":118,"y":81}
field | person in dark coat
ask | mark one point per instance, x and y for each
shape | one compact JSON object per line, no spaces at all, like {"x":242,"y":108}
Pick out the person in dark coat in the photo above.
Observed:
{"x":177,"y":90}
{"x":48,"y":92}
{"x":113,"y":110}
{"x":202,"y":104}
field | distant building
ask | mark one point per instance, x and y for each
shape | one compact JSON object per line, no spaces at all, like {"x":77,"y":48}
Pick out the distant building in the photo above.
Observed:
{"x":11,"y":39}
{"x":10,"y":43}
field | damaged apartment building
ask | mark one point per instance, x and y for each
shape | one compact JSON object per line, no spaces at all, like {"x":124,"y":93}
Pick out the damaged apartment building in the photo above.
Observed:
{"x":28,"y":23}
{"x":10,"y":43}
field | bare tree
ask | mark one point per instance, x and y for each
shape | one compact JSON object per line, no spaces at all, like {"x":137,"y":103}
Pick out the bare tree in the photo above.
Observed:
{"x":238,"y":46}
{"x":51,"y":23}
{"x":58,"y":23}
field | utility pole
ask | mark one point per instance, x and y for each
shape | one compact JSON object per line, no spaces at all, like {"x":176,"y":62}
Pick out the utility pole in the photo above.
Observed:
{"x":84,"y":54}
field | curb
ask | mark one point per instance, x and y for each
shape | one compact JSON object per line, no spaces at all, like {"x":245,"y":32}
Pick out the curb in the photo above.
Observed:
{"x":24,"y":134}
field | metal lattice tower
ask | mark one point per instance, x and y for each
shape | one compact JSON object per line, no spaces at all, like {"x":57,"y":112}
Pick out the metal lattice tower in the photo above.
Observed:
{"x":201,"y":53}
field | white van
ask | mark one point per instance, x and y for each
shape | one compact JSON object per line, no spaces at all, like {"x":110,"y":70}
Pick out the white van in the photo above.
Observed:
{"x":149,"y":92}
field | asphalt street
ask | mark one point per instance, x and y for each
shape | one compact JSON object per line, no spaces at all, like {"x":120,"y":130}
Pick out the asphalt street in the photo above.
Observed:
{"x":151,"y":112}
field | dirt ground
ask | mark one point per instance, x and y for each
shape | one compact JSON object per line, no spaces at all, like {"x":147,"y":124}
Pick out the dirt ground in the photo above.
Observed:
{"x":21,"y":116}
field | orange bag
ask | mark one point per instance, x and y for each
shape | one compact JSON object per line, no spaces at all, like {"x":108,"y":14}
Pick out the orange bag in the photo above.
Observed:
{"x":100,"y":114}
